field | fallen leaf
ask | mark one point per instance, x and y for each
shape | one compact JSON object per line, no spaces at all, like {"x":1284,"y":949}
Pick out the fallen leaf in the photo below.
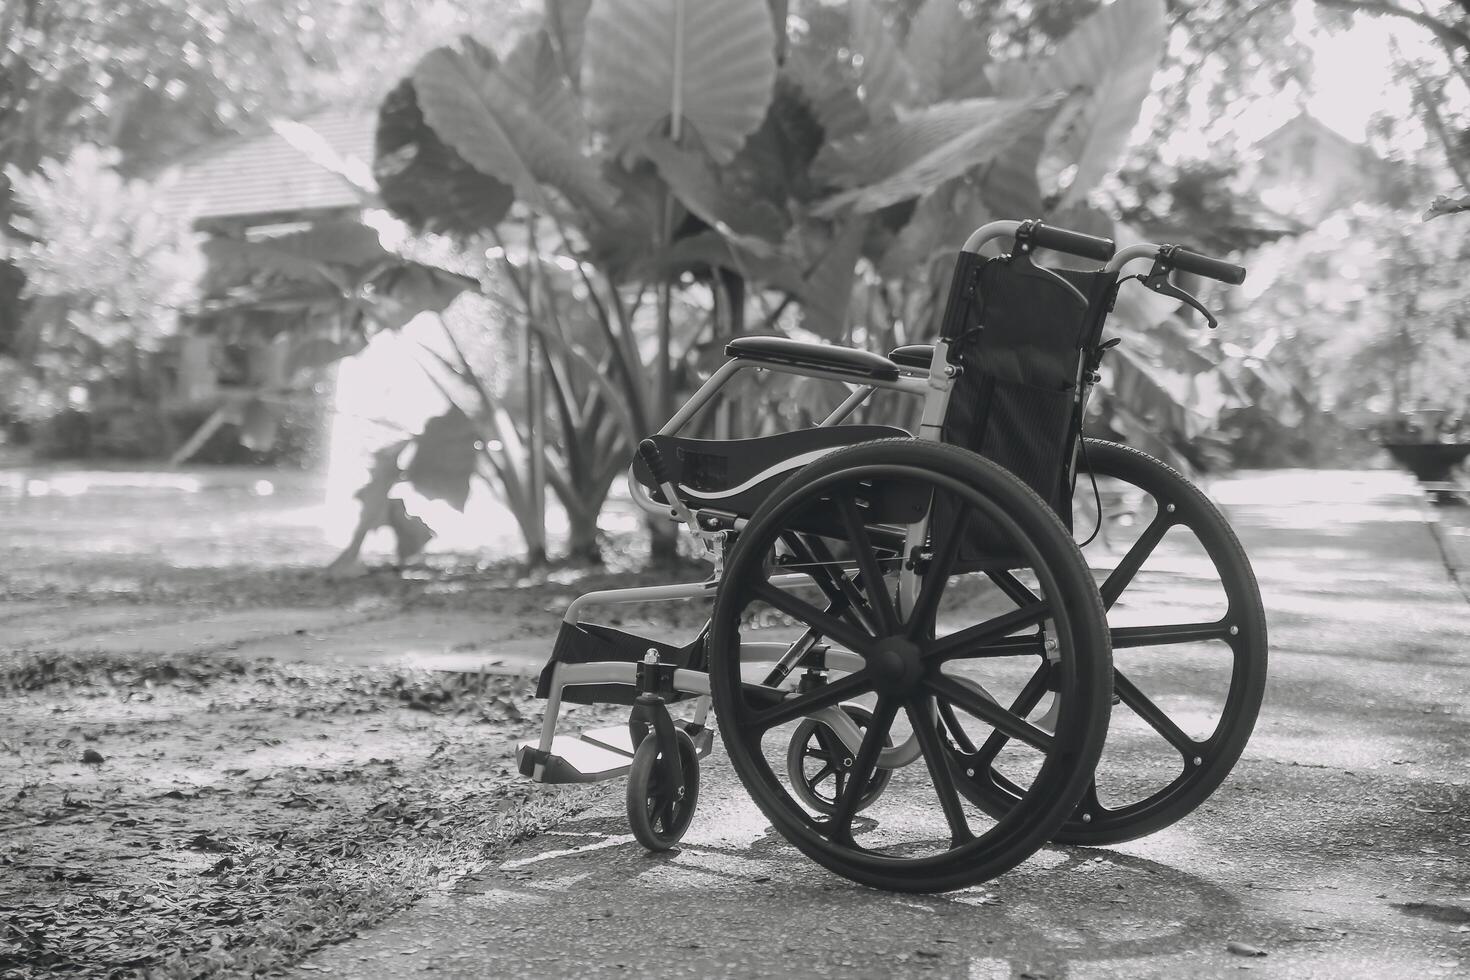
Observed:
{"x":204,"y":842}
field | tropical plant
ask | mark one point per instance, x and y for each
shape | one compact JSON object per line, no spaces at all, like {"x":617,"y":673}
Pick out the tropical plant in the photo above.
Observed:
{"x":106,"y":276}
{"x":658,"y":162}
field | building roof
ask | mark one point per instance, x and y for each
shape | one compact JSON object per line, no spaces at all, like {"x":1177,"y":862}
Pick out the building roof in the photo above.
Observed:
{"x":256,"y":176}
{"x":1304,"y":124}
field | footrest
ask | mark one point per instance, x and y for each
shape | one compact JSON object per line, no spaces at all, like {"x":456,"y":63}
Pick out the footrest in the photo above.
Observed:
{"x":592,"y":756}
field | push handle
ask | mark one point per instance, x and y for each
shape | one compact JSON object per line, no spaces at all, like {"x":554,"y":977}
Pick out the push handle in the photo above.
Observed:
{"x":1071,"y":242}
{"x":1202,"y":265}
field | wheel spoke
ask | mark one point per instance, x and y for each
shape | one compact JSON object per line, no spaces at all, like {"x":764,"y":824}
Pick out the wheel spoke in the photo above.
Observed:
{"x":824,"y":623}
{"x":1122,"y":575}
{"x":825,"y":696}
{"x":1154,"y":715}
{"x":981,"y":634}
{"x":988,"y":711}
{"x":1016,"y":590}
{"x":921,"y":715}
{"x":1090,"y":804}
{"x":1029,"y":645}
{"x":839,"y":825}
{"x":936,"y":575}
{"x":872,"y":576}
{"x":1025,"y":702}
{"x":816,"y":780}
{"x":1156,"y":636}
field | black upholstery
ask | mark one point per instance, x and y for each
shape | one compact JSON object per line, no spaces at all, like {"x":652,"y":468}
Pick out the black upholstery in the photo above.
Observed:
{"x":912,"y":355}
{"x":735,"y":475}
{"x":794,"y":353}
{"x":1022,"y":336}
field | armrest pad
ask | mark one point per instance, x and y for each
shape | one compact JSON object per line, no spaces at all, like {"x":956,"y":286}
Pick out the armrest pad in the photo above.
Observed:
{"x":794,"y":353}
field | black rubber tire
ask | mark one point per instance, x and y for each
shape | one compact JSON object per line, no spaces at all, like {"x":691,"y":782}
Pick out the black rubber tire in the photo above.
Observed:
{"x":904,"y":674}
{"x":1207,"y":762}
{"x":657,"y":821}
{"x":798,"y":752}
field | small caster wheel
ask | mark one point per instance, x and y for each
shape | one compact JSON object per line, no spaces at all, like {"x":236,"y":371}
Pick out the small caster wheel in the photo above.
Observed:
{"x":817,"y":763}
{"x":659,"y":815}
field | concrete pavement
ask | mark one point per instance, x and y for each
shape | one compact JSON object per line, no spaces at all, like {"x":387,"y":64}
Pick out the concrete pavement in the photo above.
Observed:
{"x":1340,"y":846}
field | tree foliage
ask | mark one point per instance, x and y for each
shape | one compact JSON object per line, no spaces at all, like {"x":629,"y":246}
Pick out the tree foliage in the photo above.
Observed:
{"x":107,"y":273}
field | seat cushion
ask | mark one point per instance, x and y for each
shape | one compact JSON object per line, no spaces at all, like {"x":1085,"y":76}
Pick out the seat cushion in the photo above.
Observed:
{"x":735,"y":475}
{"x":794,"y":353}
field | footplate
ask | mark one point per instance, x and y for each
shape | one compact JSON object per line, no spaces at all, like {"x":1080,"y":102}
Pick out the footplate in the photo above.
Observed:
{"x":592,"y":756}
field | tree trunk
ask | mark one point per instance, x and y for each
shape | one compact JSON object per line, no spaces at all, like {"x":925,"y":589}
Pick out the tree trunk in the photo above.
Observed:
{"x":582,"y":544}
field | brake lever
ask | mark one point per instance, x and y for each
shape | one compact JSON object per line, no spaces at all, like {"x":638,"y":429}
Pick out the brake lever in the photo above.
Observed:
{"x":1158,"y":280}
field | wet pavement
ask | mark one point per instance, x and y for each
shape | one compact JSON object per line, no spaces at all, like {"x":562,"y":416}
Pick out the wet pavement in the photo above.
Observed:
{"x":1340,"y":845}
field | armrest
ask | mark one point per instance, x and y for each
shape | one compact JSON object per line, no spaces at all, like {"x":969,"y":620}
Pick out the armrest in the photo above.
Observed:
{"x":793,"y":353}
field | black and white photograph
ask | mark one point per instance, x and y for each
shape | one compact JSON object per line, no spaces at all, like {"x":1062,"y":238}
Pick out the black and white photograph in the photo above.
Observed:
{"x":956,"y":489}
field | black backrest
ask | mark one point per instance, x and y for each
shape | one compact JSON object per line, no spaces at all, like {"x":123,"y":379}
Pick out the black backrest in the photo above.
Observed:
{"x":1021,"y":336}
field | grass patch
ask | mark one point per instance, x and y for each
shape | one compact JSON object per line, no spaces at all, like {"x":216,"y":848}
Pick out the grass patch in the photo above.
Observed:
{"x":207,"y":816}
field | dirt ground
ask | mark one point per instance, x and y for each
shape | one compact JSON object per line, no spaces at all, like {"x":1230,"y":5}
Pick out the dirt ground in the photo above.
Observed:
{"x":183,"y":816}
{"x":205,"y":812}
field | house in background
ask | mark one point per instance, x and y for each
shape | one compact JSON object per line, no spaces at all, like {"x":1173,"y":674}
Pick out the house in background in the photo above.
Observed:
{"x":1308,"y":170}
{"x":253,"y":187}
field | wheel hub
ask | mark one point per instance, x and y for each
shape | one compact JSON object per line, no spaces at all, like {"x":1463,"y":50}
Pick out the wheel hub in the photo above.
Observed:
{"x":899,"y":664}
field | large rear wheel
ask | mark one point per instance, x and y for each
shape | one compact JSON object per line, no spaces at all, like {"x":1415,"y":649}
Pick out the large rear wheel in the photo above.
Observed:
{"x":811,"y":617}
{"x":1188,"y":634}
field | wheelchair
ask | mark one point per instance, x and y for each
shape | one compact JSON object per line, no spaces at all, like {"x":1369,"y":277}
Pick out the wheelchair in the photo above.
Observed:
{"x":911,"y":661}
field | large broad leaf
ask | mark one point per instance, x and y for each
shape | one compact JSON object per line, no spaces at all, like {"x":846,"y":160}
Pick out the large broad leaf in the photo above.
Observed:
{"x":887,"y":78}
{"x":444,"y":458}
{"x":921,"y":150}
{"x":424,"y":181}
{"x":751,"y":225}
{"x":532,"y":69}
{"x":1109,"y":60}
{"x":826,"y":293}
{"x":478,"y":108}
{"x":832,"y":97}
{"x":710,"y":63}
{"x":774,"y":165}
{"x":946,"y":53}
{"x":566,"y":26}
{"x":311,"y":256}
{"x":1444,"y":204}
{"x":940,"y":225}
{"x":701,"y":252}
{"x":1011,"y":186}
{"x":405,"y":290}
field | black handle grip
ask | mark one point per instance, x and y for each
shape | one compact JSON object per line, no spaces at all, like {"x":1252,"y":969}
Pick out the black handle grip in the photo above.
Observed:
{"x":1202,"y":265}
{"x":1072,"y":242}
{"x":648,"y":449}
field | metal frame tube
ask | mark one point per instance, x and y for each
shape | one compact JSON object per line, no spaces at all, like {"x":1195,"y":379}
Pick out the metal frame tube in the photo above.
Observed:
{"x":989,"y":232}
{"x":849,"y":405}
{"x":1143,"y":250}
